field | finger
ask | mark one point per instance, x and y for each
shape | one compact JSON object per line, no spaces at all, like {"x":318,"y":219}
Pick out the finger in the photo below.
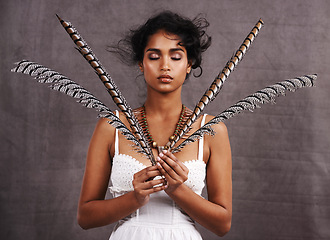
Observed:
{"x":144,"y":171}
{"x":164,"y":173}
{"x":161,"y":169}
{"x":140,"y":186}
{"x":153,"y":190}
{"x":147,"y":187}
{"x":175,"y":164}
{"x":168,"y":171}
{"x":171,"y":155}
{"x":149,"y":175}
{"x":152,"y":184}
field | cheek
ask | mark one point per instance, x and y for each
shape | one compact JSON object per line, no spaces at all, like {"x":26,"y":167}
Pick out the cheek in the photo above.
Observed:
{"x":148,"y":69}
{"x":183,"y":68}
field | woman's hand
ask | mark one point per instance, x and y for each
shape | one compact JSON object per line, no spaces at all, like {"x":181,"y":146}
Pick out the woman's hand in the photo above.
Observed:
{"x":144,"y":184}
{"x":175,"y":172}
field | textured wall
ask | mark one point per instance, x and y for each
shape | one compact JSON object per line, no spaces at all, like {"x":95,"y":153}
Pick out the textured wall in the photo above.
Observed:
{"x":281,"y":156}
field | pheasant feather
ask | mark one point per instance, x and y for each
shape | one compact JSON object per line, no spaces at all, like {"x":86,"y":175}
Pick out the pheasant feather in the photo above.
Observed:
{"x":266,"y":95}
{"x":113,"y":90}
{"x":63,"y":84}
{"x":218,"y":82}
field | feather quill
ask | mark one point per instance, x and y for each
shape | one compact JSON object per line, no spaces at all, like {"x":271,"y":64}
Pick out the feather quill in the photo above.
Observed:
{"x":111,"y":87}
{"x":266,"y":95}
{"x":63,"y":84}
{"x":218,"y":82}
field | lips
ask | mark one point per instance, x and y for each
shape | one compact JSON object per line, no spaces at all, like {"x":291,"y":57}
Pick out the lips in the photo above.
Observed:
{"x":165,"y":78}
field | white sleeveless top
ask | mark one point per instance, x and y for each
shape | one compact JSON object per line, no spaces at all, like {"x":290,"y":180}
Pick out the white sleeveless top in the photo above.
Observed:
{"x":160,"y":218}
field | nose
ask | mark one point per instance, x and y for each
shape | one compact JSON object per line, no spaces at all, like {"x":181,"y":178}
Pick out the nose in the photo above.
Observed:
{"x":165,"y":65}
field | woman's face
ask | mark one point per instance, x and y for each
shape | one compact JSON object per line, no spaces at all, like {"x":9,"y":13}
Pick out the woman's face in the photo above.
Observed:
{"x":165,"y":63}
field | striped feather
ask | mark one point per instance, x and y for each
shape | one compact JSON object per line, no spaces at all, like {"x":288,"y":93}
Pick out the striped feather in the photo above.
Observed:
{"x":113,"y":90}
{"x":63,"y":84}
{"x":266,"y":95}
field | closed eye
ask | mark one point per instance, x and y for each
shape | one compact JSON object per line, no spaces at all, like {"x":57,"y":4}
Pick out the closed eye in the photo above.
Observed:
{"x":153,"y":56}
{"x":176,"y":56}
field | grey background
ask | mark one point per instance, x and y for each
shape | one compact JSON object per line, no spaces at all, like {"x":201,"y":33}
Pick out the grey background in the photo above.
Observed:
{"x":280,"y":152}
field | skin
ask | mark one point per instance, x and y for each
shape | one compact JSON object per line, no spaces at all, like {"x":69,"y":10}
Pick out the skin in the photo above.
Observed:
{"x":164,"y":66}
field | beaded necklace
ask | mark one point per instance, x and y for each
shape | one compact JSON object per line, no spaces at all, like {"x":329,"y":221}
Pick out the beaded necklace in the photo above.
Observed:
{"x":141,"y":116}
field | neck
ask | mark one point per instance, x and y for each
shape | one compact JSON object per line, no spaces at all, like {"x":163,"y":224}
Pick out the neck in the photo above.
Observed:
{"x":163,"y":104}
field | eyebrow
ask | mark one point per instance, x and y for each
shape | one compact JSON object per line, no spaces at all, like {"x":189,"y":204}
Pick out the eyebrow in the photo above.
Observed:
{"x":158,"y":50}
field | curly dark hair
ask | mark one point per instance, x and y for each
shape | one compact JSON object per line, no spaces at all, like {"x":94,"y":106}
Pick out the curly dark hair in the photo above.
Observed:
{"x":191,"y":32}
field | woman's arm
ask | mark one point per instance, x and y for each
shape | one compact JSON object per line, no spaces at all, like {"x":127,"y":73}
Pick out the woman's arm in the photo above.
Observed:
{"x":214,"y":213}
{"x":93,"y":210}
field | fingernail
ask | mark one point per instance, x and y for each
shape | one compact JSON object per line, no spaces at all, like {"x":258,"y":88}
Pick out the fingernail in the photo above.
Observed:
{"x":158,"y":158}
{"x":161,"y":154}
{"x":164,"y":151}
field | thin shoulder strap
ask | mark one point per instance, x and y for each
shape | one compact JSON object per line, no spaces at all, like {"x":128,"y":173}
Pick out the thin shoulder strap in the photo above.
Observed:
{"x":201,"y":142}
{"x":116,"y":137}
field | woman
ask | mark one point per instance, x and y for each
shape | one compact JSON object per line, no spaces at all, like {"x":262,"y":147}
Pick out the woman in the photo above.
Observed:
{"x":161,"y":201}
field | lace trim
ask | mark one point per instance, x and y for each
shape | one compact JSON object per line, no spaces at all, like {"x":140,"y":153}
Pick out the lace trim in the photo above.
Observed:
{"x":143,"y":165}
{"x":124,"y":167}
{"x":132,"y":158}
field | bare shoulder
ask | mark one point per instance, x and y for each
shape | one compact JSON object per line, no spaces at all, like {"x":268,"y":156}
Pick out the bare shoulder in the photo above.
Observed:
{"x":104,"y":133}
{"x":220,"y":128}
{"x":103,"y":126}
{"x":105,"y":129}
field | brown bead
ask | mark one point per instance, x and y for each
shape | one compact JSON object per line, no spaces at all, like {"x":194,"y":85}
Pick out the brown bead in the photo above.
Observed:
{"x":154,"y":144}
{"x":172,"y":138}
